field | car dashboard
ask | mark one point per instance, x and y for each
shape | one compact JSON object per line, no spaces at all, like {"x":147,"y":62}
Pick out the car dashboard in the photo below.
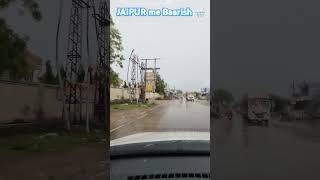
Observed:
{"x":161,"y":167}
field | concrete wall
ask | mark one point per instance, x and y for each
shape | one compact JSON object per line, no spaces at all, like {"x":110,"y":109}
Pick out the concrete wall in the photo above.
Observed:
{"x":120,"y":93}
{"x":23,"y":101}
{"x":152,"y":95}
{"x":123,"y":93}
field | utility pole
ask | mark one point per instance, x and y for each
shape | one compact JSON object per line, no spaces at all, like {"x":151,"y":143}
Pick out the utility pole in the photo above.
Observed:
{"x":133,"y":78}
{"x":72,"y":86}
{"x":134,"y":63}
{"x":102,"y":23}
{"x":145,"y":68}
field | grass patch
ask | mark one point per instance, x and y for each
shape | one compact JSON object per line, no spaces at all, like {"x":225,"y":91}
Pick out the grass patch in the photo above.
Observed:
{"x":49,"y":142}
{"x":128,"y":106}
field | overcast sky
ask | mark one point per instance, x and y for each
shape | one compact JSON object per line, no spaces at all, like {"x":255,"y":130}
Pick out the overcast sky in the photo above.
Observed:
{"x":42,"y":34}
{"x":265,"y":45}
{"x":181,"y":43}
{"x":260,"y":45}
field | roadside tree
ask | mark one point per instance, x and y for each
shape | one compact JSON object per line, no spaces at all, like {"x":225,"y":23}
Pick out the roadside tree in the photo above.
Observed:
{"x":12,"y":45}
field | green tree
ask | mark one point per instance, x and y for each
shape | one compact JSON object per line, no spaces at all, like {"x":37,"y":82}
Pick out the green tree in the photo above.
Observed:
{"x":222,"y":96}
{"x":12,"y":45}
{"x":116,"y":56}
{"x":31,"y":6}
{"x":116,"y":49}
{"x":197,"y":94}
{"x":179,"y":91}
{"x":12,"y":49}
{"x":48,"y":77}
{"x":114,"y":78}
{"x":160,"y":84}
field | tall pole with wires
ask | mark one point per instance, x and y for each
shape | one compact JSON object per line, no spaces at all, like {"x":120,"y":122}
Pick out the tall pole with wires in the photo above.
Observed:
{"x":102,"y":21}
{"x":133,"y":78}
{"x":72,"y":78}
{"x":72,"y":81}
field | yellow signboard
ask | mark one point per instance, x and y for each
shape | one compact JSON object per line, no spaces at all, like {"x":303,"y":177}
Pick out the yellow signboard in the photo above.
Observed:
{"x":149,"y":86}
{"x":150,"y":81}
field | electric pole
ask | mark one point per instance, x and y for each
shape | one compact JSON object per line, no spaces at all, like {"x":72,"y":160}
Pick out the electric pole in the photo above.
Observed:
{"x":102,"y":23}
{"x":73,"y":84}
{"x":132,"y":87}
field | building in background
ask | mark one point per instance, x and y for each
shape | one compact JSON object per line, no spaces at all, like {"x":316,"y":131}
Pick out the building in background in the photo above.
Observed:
{"x":205,"y":93}
{"x":309,"y":90}
{"x":35,"y":63}
{"x":306,"y":100}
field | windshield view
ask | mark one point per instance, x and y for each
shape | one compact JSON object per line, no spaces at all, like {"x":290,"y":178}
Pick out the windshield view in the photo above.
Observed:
{"x":160,"y":89}
{"x":266,"y":90}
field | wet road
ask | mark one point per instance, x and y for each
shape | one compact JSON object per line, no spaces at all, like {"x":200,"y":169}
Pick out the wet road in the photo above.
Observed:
{"x":280,"y":150}
{"x":175,"y":115}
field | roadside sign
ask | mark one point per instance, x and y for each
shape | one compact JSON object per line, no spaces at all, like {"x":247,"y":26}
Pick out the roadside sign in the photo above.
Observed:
{"x":149,"y":87}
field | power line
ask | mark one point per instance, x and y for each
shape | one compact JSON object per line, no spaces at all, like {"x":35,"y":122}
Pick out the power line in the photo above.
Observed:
{"x":73,"y":81}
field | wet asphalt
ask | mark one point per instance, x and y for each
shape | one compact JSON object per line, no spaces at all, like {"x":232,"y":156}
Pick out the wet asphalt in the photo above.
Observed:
{"x":279,"y":150}
{"x":175,"y":115}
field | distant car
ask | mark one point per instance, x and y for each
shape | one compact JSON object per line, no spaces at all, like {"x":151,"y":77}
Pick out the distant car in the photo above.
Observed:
{"x":190,"y":98}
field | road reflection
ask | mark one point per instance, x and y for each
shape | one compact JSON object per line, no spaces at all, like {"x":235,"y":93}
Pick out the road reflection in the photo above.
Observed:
{"x":176,"y":115}
{"x":279,"y":150}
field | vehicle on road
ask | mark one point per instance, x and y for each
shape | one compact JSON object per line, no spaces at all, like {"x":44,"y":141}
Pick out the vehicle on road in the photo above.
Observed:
{"x":161,"y":155}
{"x":190,"y":97}
{"x":259,"y":108}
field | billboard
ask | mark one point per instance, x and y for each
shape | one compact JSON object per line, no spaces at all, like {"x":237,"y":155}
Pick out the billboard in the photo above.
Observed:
{"x":149,"y":87}
{"x":150,"y":81}
{"x":149,"y":76}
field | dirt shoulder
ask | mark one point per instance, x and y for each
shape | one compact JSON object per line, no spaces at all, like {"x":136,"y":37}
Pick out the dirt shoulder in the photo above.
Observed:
{"x":52,"y":158}
{"x":82,"y":164}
